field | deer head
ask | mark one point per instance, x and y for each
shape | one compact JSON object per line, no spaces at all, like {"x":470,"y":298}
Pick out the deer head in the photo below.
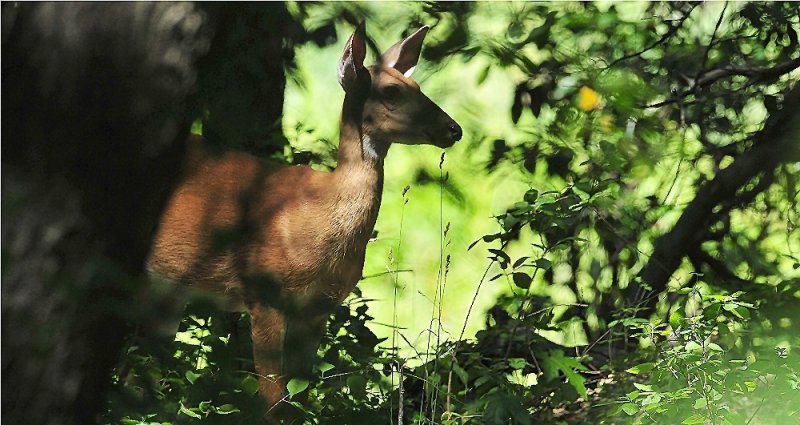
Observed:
{"x":388,"y":104}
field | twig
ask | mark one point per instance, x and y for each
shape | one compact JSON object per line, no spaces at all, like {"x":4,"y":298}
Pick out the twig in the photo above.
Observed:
{"x":761,"y":404}
{"x":711,"y":42}
{"x":672,"y":30}
{"x":386,"y":272}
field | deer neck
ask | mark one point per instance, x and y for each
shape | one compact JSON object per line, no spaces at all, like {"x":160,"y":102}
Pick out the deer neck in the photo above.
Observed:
{"x":359,"y":172}
{"x":357,"y":149}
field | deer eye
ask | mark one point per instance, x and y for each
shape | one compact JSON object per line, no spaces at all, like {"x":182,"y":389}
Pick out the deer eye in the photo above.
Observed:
{"x":391,"y":93}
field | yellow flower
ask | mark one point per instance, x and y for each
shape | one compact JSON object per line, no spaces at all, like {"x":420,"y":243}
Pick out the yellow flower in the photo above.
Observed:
{"x":588,"y":99}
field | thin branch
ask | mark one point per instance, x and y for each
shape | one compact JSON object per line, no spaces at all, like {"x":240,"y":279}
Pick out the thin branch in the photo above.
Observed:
{"x":392,"y":272}
{"x":672,"y":30}
{"x":711,"y":42}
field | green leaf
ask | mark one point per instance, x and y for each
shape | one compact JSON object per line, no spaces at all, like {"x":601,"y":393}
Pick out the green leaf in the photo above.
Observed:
{"x":641,"y":368}
{"x":489,"y":238}
{"x":531,"y":196}
{"x":461,"y":373}
{"x":521,"y":206}
{"x":693,"y":346}
{"x":296,"y":386}
{"x":742,"y":312}
{"x":187,"y":338}
{"x":186,"y":411}
{"x":630,"y":408}
{"x":358,"y":386}
{"x":191,"y":376}
{"x":643,"y":387}
{"x":483,"y":74}
{"x":700,"y":403}
{"x":227,"y":409}
{"x":520,"y":261}
{"x":249,"y":385}
{"x":653,"y":398}
{"x":503,"y":408}
{"x":675,"y":319}
{"x":324,"y":367}
{"x":712,"y":311}
{"x":501,"y":257}
{"x":482,"y":380}
{"x":733,"y":308}
{"x":522,"y":280}
{"x":555,"y":361}
{"x":517,"y":363}
{"x":543,"y":263}
{"x":694,"y":419}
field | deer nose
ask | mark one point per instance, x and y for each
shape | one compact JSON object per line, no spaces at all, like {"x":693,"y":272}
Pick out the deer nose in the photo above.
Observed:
{"x":455,"y":131}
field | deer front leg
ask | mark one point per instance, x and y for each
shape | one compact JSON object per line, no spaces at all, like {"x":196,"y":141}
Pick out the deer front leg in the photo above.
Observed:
{"x":303,"y":335}
{"x":283,"y":348}
{"x":268,"y":328}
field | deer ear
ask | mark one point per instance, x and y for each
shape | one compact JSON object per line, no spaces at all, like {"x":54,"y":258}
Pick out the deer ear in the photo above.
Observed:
{"x":404,"y":55}
{"x":352,"y":63}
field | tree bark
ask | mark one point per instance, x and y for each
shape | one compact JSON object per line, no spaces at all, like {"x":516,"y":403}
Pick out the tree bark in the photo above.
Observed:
{"x":96,"y":99}
{"x":242,"y":80}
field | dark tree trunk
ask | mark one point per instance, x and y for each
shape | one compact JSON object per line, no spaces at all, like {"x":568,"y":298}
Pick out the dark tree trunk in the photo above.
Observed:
{"x":242,"y":81}
{"x":777,"y":143}
{"x":95,"y":112}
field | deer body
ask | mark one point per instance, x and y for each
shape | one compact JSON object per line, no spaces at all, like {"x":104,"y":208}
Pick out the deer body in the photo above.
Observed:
{"x":287,"y":243}
{"x":306,"y":228}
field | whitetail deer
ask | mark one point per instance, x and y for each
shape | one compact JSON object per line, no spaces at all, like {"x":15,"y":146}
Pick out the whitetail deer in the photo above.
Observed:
{"x":297,"y":237}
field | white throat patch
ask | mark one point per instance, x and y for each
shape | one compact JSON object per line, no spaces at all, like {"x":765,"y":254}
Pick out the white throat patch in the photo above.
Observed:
{"x":370,"y":150}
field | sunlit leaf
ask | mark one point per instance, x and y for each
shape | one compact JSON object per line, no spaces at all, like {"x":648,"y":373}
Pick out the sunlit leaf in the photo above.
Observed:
{"x":188,"y":412}
{"x":630,"y":408}
{"x":191,"y":376}
{"x":694,"y":420}
{"x":296,"y":386}
{"x":641,"y":368}
{"x":555,"y":361}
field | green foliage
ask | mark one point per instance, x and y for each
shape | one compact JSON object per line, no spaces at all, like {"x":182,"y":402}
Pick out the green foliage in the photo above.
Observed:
{"x":701,"y":375}
{"x":202,"y":374}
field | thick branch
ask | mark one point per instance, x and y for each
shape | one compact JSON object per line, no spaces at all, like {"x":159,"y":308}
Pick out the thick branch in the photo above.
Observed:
{"x":778,"y":142}
{"x":756,"y":75}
